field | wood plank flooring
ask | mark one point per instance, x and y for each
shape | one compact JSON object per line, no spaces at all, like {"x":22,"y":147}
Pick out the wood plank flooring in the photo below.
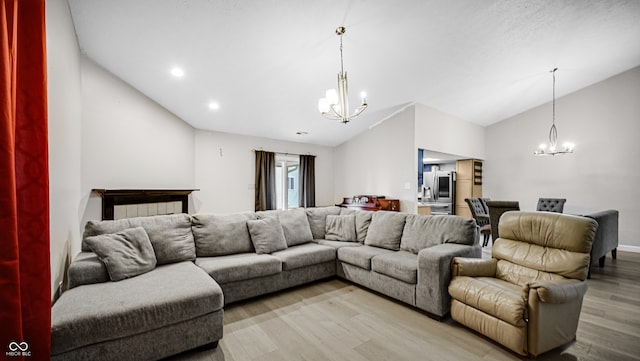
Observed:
{"x":337,"y":320}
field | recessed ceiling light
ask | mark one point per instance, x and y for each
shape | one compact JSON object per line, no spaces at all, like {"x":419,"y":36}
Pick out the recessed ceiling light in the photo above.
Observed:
{"x":214,"y":106}
{"x":177,"y":72}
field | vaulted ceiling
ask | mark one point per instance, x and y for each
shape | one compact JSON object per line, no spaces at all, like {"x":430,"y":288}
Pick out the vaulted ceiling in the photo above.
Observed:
{"x":267,"y":62}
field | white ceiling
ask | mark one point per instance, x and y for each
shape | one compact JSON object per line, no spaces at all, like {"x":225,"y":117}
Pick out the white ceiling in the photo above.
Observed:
{"x":267,"y":62}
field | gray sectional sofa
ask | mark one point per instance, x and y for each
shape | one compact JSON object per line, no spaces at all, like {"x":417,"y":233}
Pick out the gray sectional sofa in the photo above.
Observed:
{"x":131,"y":305}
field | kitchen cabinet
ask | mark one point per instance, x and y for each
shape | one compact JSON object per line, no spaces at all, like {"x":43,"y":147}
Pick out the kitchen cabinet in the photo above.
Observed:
{"x":424,"y":210}
{"x":468,"y":184}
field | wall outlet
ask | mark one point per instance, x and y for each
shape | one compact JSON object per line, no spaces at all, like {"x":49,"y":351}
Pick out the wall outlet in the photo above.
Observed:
{"x":407,"y":186}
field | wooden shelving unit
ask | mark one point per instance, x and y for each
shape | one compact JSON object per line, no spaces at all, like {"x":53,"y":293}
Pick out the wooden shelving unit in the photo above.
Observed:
{"x":477,"y":172}
{"x":468,"y":184}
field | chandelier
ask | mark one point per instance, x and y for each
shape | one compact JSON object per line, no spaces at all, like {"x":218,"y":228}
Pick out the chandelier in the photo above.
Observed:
{"x":335,"y":104}
{"x":551,"y":148}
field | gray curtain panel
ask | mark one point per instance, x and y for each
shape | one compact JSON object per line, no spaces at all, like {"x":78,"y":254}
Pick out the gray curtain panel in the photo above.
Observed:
{"x":307,"y":191}
{"x":265,"y":181}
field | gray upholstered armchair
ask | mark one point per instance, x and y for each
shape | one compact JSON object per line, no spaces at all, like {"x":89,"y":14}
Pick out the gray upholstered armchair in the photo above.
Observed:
{"x":606,"y":239}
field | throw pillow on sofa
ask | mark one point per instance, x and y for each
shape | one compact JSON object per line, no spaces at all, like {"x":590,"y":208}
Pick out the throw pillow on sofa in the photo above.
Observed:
{"x":222,"y":234}
{"x":363,"y":220}
{"x":170,"y":235}
{"x":385,"y":230}
{"x":294,"y":223}
{"x":341,"y":228}
{"x":267,"y":235}
{"x":125,"y":254}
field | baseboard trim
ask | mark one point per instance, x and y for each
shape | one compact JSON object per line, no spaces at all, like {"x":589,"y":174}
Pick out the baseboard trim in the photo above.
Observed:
{"x":486,"y":251}
{"x":634,"y":249}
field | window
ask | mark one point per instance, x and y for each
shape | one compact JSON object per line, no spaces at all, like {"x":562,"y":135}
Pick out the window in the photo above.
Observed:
{"x":287,"y":181}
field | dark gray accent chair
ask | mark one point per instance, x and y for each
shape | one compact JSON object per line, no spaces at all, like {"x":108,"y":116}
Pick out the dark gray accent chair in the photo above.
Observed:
{"x":496,"y":209}
{"x":551,"y":204}
{"x":480,"y":213}
{"x":606,"y":239}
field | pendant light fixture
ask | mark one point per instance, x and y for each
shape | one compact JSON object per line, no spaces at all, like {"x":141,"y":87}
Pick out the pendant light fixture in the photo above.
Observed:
{"x":551,"y":148}
{"x":335,"y":104}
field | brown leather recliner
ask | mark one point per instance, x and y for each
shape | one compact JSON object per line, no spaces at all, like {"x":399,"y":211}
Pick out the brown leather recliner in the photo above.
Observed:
{"x":528,"y":296}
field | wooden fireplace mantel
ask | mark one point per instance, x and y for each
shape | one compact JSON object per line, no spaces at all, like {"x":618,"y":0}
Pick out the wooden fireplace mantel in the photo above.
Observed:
{"x":115,"y":197}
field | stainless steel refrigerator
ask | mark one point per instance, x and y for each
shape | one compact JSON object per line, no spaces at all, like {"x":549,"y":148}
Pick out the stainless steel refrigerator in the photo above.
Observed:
{"x":439,"y":191}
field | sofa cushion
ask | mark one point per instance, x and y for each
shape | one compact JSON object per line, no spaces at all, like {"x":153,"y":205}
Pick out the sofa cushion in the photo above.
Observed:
{"x":170,"y":235}
{"x":522,"y":275}
{"x":239,"y":267}
{"x":317,"y":218}
{"x":385,"y":230}
{"x":305,"y":255}
{"x":96,"y":313}
{"x":341,"y":228}
{"x":400,"y":265}
{"x":222,"y":234}
{"x":126,"y":254}
{"x":426,"y":231}
{"x":267,"y":235}
{"x":483,"y":293}
{"x":360,"y":256}
{"x":294,"y":224}
{"x":363,"y":220}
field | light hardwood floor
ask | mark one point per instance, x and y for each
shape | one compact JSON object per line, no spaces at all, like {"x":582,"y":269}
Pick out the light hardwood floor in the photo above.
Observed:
{"x":337,"y":320}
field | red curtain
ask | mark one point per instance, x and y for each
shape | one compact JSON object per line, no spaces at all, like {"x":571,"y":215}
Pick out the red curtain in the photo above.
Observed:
{"x":25,"y":281}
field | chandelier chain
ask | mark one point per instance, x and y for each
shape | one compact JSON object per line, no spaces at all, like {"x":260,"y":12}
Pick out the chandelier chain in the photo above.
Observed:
{"x":554,"y":95}
{"x":341,"y":60}
{"x":553,"y":132}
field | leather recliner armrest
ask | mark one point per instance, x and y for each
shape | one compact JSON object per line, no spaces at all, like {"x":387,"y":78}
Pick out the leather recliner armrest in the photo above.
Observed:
{"x":473,"y":267}
{"x":559,"y":291}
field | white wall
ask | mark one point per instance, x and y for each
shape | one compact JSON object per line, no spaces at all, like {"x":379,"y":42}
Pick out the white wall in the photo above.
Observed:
{"x":380,"y":161}
{"x":128,"y":140}
{"x":603,"y":120}
{"x":64,"y":112}
{"x":225,"y":170}
{"x":441,"y":132}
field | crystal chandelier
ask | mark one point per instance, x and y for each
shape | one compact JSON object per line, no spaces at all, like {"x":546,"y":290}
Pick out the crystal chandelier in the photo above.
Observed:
{"x":335,"y":104}
{"x":551,"y":148}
